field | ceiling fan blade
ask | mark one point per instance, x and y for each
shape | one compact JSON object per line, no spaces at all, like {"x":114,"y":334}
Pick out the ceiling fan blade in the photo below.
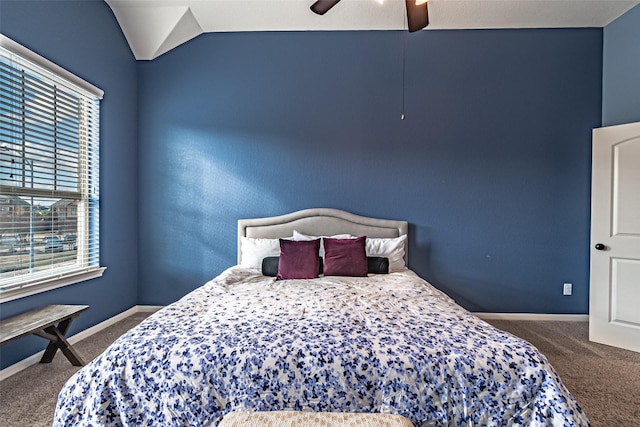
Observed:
{"x":417,"y":15}
{"x":322,"y":6}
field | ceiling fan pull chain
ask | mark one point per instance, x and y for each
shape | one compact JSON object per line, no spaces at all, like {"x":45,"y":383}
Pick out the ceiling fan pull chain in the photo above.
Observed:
{"x":404,"y":47}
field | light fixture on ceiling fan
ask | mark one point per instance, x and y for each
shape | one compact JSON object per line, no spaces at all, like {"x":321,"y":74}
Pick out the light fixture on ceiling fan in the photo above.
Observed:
{"x":417,"y":12}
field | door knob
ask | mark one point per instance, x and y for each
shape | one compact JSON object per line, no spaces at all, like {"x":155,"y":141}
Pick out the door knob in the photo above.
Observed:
{"x":600,"y":246}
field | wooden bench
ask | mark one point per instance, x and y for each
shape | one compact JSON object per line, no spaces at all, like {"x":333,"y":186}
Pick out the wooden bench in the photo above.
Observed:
{"x":42,"y":322}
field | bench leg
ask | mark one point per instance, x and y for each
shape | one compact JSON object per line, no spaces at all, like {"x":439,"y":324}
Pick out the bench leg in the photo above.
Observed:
{"x":60,"y":343}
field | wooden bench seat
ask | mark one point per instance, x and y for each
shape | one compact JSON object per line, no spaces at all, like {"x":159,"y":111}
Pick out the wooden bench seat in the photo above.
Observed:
{"x":51,"y":322}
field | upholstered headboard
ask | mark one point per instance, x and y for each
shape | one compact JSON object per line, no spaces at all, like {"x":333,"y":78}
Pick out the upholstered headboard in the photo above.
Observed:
{"x":320,"y":221}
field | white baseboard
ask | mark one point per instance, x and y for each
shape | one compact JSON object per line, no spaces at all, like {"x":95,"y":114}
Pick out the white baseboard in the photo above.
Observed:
{"x":148,"y":308}
{"x":35,"y":358}
{"x":534,"y":316}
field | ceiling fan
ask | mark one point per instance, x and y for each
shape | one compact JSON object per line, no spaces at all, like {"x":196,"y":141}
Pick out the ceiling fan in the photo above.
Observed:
{"x":417,"y":12}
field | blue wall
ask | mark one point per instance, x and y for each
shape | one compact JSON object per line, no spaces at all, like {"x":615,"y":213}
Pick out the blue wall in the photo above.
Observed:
{"x":491,"y":166}
{"x":621,"y":70}
{"x":84,"y":38}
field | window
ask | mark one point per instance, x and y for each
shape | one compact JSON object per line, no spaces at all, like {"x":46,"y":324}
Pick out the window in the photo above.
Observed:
{"x":49,"y":192}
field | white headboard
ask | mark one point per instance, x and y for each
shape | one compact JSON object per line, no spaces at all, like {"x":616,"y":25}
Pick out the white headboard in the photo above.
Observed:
{"x":321,"y":221}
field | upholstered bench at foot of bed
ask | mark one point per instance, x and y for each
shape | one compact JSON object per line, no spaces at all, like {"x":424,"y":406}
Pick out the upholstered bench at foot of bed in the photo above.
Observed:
{"x":312,"y":419}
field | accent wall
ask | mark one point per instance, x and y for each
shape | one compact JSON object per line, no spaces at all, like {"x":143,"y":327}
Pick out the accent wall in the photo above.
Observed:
{"x":491,"y":166}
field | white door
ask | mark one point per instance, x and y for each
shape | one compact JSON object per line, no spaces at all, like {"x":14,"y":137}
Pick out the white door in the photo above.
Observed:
{"x":614,"y":300}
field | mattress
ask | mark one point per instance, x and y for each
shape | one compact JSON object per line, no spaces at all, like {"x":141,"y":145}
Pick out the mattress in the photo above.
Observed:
{"x":387,"y":343}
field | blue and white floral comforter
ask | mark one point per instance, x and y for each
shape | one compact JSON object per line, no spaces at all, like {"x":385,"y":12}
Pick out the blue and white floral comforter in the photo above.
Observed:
{"x":388,"y":343}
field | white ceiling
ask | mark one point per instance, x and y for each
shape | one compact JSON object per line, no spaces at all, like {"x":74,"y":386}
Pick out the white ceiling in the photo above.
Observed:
{"x":153,"y":27}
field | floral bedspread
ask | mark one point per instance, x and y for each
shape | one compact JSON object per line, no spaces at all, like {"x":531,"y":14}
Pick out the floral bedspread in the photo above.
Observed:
{"x":386,"y":343}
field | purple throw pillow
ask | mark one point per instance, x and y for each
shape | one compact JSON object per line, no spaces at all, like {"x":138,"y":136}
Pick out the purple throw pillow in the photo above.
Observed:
{"x":299,"y":259}
{"x":345,"y":257}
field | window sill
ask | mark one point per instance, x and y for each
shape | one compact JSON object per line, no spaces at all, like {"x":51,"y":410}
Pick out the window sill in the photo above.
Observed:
{"x":49,"y":284}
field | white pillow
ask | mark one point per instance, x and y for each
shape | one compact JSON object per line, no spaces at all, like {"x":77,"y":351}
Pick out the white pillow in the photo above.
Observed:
{"x":300,"y":236}
{"x":392,"y":248}
{"x":253,"y":251}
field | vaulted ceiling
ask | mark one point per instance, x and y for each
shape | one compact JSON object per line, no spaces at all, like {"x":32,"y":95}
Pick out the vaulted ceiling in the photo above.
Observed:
{"x":153,"y":27}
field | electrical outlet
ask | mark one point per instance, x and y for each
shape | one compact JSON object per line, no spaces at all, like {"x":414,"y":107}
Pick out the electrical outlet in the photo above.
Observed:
{"x":567,"y":289}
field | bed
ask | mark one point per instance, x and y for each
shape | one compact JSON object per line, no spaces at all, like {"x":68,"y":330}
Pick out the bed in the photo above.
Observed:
{"x":383,"y":342}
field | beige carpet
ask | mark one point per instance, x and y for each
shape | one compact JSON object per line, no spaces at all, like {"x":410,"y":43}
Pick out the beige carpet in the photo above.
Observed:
{"x":604,"y":380}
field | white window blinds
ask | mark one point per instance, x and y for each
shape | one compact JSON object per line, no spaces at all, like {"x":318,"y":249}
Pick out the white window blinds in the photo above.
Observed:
{"x":49,"y":176}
